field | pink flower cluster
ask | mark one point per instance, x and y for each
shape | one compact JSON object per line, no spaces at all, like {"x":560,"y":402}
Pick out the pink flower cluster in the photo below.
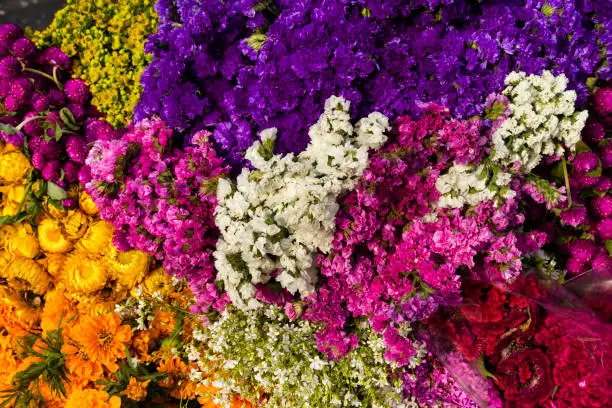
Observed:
{"x":397,"y":258}
{"x":161,"y":200}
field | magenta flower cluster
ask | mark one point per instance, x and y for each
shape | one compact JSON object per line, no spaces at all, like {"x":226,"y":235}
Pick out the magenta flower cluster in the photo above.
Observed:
{"x":161,"y":200}
{"x":397,"y":258}
{"x":586,"y":225}
{"x":45,"y":111}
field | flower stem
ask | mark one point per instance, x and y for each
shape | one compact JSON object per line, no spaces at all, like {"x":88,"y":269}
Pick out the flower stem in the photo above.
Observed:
{"x":567,"y":183}
{"x":25,"y":122}
{"x":44,"y":74}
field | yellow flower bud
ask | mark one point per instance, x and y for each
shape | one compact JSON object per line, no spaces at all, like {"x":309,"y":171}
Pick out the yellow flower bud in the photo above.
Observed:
{"x":87,"y":204}
{"x":83,"y":274}
{"x":128,"y":268}
{"x":51,"y":237}
{"x":16,"y":193}
{"x":75,"y":224}
{"x":14,"y":166}
{"x":5,"y":259}
{"x":24,"y":245}
{"x":7,"y":232}
{"x":54,"y":211}
{"x":26,"y":274}
{"x":98,"y":238}
{"x":157,"y":281}
{"x":9,"y":209}
{"x":54,"y":264}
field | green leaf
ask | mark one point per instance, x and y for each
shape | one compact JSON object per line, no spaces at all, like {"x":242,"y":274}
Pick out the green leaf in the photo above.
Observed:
{"x":582,"y":147}
{"x":68,"y":119}
{"x":57,"y":132}
{"x":55,"y":192}
{"x":609,"y":246}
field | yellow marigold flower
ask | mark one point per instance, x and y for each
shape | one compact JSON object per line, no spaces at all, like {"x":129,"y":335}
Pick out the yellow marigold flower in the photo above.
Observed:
{"x":7,"y":232}
{"x":87,"y":204}
{"x":14,"y":166}
{"x":51,"y":237}
{"x":92,"y":398}
{"x":102,"y":338}
{"x":24,"y":243}
{"x":136,"y":390}
{"x":98,"y":238}
{"x":83,"y":273}
{"x":75,"y":224}
{"x":5,"y":259}
{"x":26,"y":274}
{"x":54,"y":264}
{"x":127,"y":268}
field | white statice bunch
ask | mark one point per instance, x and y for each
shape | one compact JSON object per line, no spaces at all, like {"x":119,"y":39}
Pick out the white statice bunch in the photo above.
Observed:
{"x":262,"y":352}
{"x":543,"y":121}
{"x":469,"y":184}
{"x":277,"y":216}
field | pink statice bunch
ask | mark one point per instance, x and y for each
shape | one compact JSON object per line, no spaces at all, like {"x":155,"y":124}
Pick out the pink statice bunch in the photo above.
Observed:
{"x":161,"y":200}
{"x":397,"y":257}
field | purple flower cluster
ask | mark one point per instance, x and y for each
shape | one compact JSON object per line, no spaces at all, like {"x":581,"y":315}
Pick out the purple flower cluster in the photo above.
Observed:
{"x":238,"y":67}
{"x":45,"y":112}
{"x":161,"y":200}
{"x":395,"y":257}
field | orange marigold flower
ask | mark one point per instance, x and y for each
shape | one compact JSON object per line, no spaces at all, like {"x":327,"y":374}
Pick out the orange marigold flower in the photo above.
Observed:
{"x":82,"y":370}
{"x":136,"y":390}
{"x":92,"y":398}
{"x":102,"y":338}
{"x":57,"y":307}
{"x":140,"y":345}
{"x":163,"y":323}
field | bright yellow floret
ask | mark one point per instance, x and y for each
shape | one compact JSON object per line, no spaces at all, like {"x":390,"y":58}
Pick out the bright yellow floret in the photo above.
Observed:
{"x":98,"y":238}
{"x":52,"y":238}
{"x":14,"y":166}
{"x":26,"y":274}
{"x":83,"y":273}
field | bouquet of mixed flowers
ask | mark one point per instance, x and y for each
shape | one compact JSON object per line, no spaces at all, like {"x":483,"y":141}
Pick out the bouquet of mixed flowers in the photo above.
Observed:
{"x":356,"y":203}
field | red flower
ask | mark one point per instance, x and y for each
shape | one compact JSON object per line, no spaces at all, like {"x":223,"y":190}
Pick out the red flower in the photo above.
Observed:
{"x":525,"y":378}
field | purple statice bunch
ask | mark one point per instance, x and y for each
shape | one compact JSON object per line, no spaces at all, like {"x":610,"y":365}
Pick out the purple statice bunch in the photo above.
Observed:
{"x":585,"y":225}
{"x":161,"y":200}
{"x":397,"y":257}
{"x":45,"y":112}
{"x":238,"y":67}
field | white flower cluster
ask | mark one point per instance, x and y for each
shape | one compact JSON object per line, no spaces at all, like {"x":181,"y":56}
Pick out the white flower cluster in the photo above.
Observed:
{"x":276,"y":217}
{"x":543,"y":121}
{"x":471,"y":185}
{"x":261,"y":351}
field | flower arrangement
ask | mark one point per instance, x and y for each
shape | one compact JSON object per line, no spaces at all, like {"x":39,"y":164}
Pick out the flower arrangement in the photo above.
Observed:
{"x":348,"y":204}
